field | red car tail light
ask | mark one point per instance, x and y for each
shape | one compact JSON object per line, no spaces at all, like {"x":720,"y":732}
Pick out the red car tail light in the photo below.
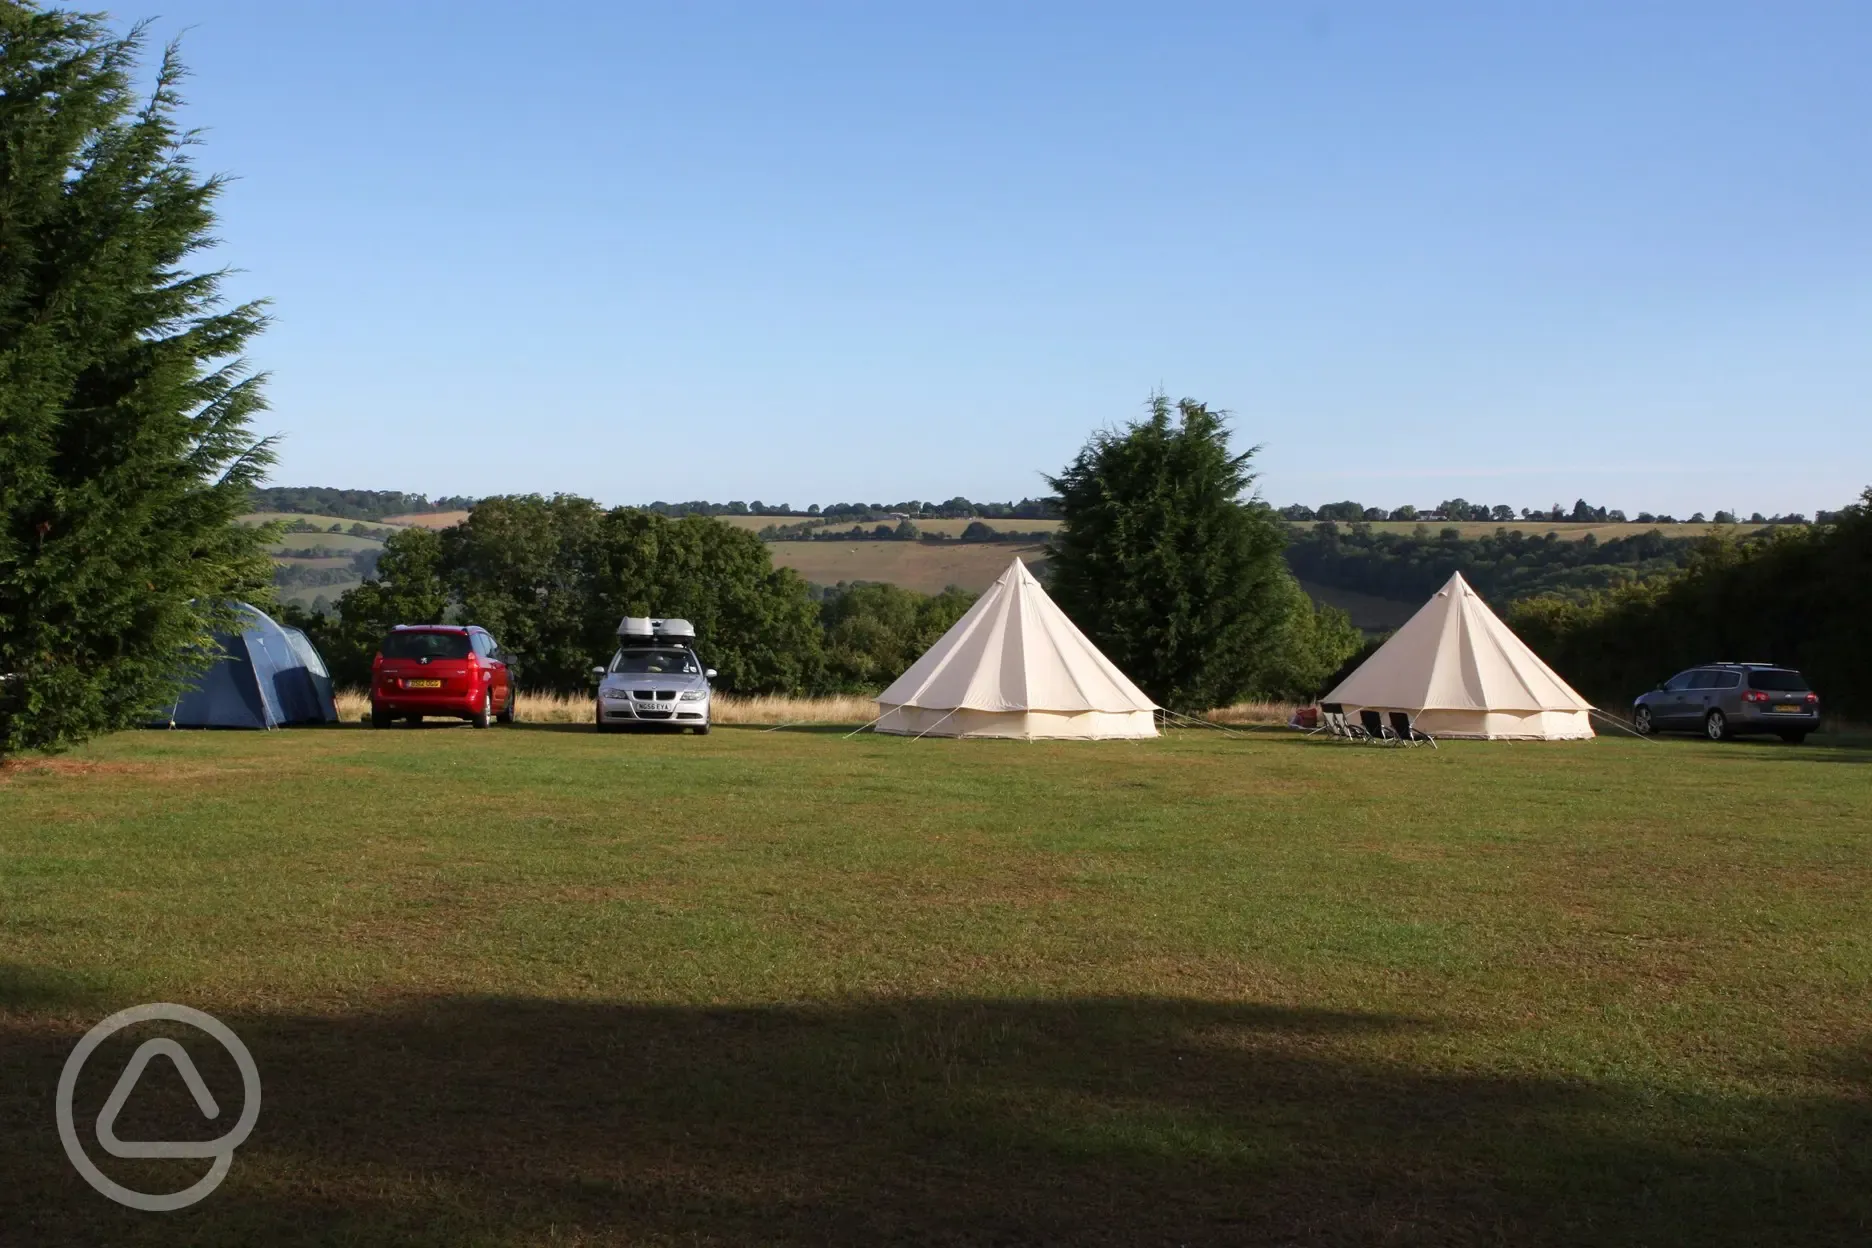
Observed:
{"x":1754,"y":695}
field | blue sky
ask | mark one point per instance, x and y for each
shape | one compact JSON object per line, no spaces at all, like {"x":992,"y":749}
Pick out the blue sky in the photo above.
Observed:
{"x":823,"y":251}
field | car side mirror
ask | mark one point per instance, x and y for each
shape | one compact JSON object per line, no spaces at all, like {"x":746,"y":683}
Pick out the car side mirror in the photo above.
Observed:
{"x":597,"y":673}
{"x":709,"y":673}
{"x":1657,"y":688}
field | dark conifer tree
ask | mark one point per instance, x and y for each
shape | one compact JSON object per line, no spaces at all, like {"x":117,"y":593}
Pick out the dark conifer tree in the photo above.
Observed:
{"x":1168,"y":566}
{"x":125,"y":451}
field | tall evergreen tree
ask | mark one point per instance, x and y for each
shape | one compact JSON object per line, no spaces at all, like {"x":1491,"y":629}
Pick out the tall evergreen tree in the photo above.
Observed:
{"x":1170,"y":568}
{"x":125,"y":451}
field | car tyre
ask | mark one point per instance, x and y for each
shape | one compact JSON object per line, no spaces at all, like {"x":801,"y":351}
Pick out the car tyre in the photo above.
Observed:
{"x":507,"y":715}
{"x":414,"y":721}
{"x":1716,"y":726}
{"x":1642,"y":721}
{"x":701,"y":729}
{"x":1793,"y":738}
{"x":485,"y":716}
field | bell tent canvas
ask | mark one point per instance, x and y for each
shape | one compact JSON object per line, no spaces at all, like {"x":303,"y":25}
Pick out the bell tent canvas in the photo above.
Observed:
{"x":265,"y":676}
{"x":1015,"y":666}
{"x":1460,"y":672}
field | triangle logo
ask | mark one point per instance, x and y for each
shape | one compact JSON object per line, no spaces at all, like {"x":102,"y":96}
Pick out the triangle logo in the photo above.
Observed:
{"x":126,"y":1083}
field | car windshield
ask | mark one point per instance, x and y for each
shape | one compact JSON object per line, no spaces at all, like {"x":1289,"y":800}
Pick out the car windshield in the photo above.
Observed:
{"x":425,"y":645}
{"x":1780,"y":681}
{"x":656,"y":663}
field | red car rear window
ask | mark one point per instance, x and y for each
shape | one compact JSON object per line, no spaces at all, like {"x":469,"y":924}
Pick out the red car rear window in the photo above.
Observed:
{"x":426,"y":645}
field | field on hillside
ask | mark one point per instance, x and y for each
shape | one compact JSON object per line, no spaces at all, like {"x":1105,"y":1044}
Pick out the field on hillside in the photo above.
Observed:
{"x":546,"y":987}
{"x":290,"y":542}
{"x":926,"y":567}
{"x":1565,"y":530}
{"x":324,"y":522}
{"x":429,"y":519}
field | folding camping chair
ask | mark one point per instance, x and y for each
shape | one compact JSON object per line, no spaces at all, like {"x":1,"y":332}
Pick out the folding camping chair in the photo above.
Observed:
{"x":1404,"y":730}
{"x":1372,"y":724}
{"x":1333,"y":721}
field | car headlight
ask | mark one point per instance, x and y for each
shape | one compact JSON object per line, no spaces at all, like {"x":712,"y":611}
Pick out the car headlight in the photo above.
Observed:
{"x":615,"y":695}
{"x":693,"y":695}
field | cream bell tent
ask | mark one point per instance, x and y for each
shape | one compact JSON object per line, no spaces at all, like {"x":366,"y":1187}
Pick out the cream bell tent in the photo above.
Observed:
{"x":1015,"y":666}
{"x":1460,"y":672}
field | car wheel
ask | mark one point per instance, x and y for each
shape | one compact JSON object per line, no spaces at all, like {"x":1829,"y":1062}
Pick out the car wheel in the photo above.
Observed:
{"x":380,"y":718}
{"x":485,"y":716}
{"x":507,"y":716}
{"x":702,"y":729}
{"x":1642,"y":721}
{"x":1793,"y":738}
{"x":1716,"y":724}
{"x":414,"y":721}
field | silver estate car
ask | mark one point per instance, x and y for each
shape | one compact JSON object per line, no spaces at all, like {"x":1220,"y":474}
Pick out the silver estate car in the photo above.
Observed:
{"x":1722,"y":700}
{"x":654,"y":678}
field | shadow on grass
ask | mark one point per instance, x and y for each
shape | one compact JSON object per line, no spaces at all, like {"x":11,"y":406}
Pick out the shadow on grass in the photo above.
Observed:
{"x":1122,"y":1121}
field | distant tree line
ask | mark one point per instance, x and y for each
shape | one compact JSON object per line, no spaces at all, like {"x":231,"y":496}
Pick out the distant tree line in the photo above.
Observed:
{"x":1503,"y":566}
{"x":1798,"y":596}
{"x":349,"y":504}
{"x":902,"y":531}
{"x":1462,"y":510}
{"x":957,"y":508}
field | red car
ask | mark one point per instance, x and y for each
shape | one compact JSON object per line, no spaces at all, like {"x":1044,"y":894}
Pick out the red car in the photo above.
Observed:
{"x":441,"y":669}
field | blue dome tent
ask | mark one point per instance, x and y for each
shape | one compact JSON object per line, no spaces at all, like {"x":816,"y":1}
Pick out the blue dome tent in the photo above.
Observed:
{"x":267,"y":676}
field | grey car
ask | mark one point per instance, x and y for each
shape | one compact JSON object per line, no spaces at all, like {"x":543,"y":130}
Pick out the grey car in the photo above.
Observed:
{"x":1722,"y":700}
{"x":653,"y":681}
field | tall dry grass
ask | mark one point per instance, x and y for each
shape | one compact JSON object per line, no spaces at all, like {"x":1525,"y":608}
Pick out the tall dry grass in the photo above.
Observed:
{"x":558,"y":708}
{"x":1252,"y":713}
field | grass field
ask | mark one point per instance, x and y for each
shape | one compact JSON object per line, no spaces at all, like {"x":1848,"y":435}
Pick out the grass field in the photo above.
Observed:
{"x":925,"y":567}
{"x":539,"y":986}
{"x":290,"y":542}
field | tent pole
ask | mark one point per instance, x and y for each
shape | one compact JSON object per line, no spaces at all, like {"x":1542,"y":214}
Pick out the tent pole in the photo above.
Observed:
{"x":1200,"y":723}
{"x":1620,"y":724}
{"x":931,"y":728}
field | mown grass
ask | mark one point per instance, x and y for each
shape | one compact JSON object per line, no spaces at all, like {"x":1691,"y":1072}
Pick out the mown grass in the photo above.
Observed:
{"x":541,"y":986}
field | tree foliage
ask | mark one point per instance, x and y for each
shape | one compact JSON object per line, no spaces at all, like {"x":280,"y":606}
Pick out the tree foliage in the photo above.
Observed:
{"x":1174,"y":573}
{"x":1797,"y":596}
{"x":124,"y":404}
{"x":551,"y":578}
{"x":873,"y":633}
{"x":1503,"y":566}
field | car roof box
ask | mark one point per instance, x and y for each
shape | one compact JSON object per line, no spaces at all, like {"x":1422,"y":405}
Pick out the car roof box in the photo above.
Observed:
{"x":646,"y":628}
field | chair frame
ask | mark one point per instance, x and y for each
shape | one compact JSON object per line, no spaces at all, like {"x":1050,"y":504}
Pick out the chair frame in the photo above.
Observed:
{"x":1404,"y":729}
{"x":1384,"y":735}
